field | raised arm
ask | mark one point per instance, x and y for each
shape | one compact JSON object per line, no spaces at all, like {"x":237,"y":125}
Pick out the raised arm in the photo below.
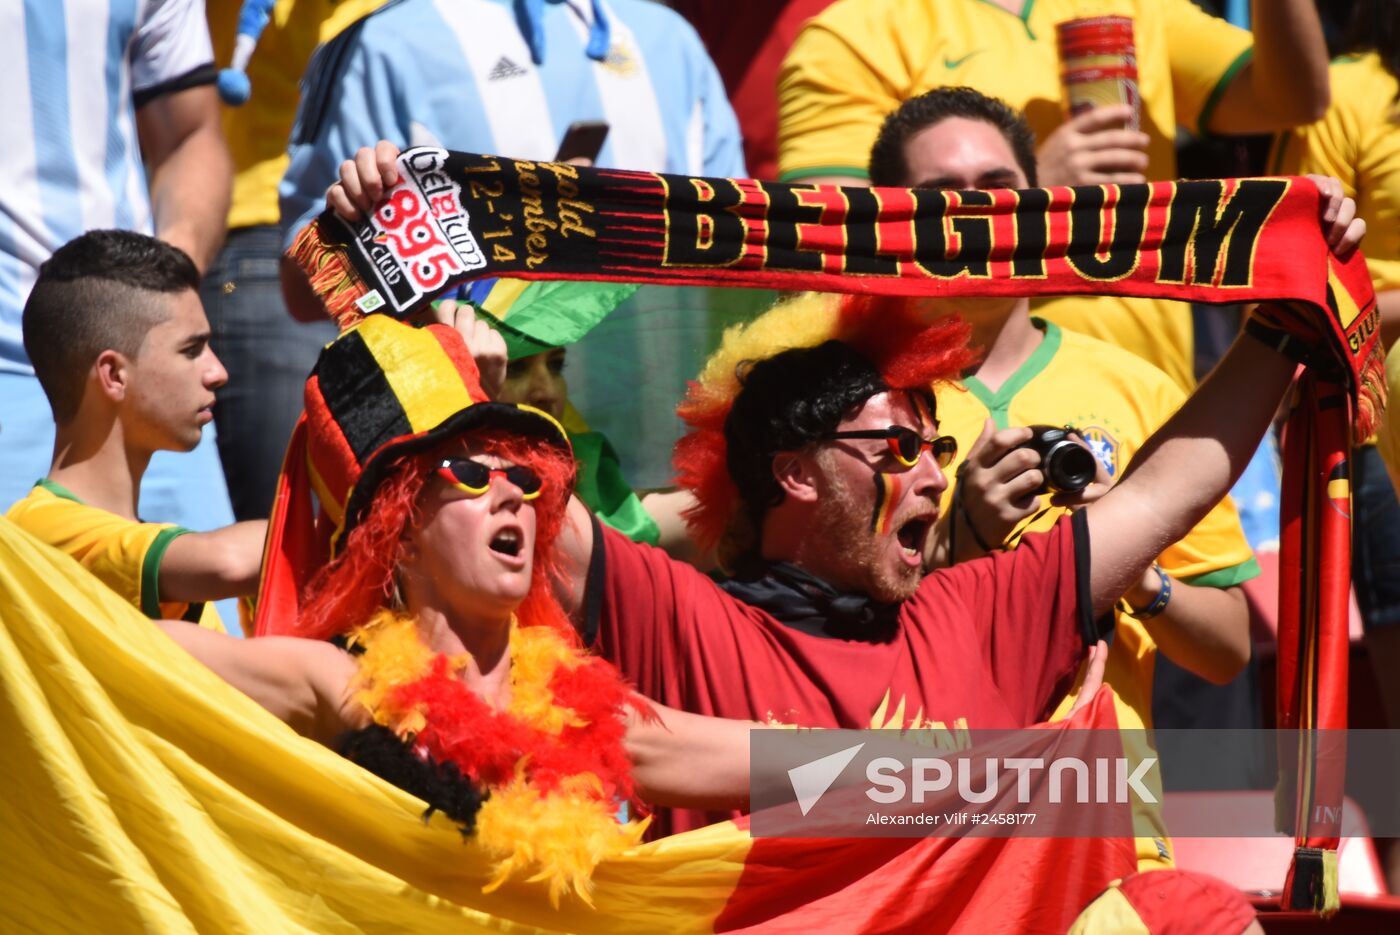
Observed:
{"x":363,"y":180}
{"x":1203,"y":629}
{"x":1185,"y":467}
{"x":1194,"y":459}
{"x":1284,"y":83}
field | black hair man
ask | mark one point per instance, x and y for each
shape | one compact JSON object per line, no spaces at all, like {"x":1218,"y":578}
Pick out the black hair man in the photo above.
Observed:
{"x":120,"y":345}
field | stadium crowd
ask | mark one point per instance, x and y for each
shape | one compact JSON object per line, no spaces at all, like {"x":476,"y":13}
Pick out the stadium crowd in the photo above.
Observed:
{"x":489,"y":552}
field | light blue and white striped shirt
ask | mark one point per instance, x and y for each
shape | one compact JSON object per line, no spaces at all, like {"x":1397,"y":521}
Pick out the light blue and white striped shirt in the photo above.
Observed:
{"x":75,"y":71}
{"x":507,"y":77}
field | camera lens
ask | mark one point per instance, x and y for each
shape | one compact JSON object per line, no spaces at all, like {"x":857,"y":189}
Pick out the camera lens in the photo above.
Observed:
{"x":1068,"y":467}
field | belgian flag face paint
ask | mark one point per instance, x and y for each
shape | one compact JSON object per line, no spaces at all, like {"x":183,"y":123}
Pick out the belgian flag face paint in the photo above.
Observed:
{"x":888,"y":488}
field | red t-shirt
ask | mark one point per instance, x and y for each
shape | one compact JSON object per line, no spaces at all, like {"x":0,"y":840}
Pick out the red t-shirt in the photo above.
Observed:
{"x":986,"y":644}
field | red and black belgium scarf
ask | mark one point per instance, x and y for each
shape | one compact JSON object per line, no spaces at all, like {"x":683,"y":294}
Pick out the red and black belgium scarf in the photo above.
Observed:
{"x":458,"y":216}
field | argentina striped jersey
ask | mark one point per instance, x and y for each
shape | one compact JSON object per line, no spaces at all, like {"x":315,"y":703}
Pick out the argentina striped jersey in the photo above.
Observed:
{"x":508,"y":77}
{"x":75,"y":72}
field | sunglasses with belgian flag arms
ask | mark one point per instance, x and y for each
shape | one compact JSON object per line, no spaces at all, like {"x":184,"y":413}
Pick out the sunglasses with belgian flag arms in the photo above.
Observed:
{"x":474,"y":478}
{"x":908,"y":445}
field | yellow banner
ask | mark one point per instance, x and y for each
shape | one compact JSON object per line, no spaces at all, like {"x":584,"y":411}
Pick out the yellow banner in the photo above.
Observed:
{"x":143,"y":794}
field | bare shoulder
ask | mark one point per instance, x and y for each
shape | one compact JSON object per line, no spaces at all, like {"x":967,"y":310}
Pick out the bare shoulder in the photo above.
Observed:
{"x":322,"y":661}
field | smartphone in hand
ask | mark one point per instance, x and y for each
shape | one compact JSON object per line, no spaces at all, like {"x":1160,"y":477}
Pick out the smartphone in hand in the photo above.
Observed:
{"x":583,"y":140}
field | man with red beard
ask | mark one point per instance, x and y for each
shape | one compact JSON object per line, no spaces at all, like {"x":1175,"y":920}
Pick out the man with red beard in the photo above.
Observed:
{"x":818,"y":470}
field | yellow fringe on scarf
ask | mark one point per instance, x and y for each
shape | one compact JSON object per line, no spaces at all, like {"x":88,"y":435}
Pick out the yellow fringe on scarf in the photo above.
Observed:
{"x":331,"y":274}
{"x":562,"y":836}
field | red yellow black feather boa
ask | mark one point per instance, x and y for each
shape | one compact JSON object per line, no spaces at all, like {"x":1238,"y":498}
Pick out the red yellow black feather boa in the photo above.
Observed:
{"x":553,"y":760}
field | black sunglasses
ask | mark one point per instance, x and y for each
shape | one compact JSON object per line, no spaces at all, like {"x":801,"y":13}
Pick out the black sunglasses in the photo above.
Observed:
{"x":908,"y":445}
{"x":474,"y":478}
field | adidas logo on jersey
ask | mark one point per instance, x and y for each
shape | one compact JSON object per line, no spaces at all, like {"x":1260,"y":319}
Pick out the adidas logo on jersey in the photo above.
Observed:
{"x":505,"y":68}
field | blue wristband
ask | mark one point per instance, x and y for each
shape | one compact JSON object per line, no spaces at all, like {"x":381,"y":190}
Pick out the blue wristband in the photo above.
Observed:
{"x":1159,"y":603}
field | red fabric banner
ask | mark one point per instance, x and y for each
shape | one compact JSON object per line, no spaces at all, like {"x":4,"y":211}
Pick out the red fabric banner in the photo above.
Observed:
{"x":1026,"y":881}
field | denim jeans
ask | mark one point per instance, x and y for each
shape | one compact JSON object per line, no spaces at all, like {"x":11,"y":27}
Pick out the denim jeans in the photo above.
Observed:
{"x":1375,"y":539}
{"x":268,"y":355}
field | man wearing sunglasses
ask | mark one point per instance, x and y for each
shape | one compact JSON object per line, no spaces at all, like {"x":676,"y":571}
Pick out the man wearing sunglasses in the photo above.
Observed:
{"x":819,"y":471}
{"x":801,"y":462}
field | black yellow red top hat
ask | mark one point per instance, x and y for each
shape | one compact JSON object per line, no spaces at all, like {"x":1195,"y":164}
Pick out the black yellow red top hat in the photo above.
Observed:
{"x":381,"y":390}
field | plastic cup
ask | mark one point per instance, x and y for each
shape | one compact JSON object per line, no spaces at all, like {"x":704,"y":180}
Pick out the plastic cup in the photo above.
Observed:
{"x":1088,"y":88}
{"x":1098,"y":64}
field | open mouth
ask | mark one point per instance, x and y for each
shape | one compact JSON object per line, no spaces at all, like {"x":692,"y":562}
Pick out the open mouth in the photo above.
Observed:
{"x":507,"y":542}
{"x":913,"y":534}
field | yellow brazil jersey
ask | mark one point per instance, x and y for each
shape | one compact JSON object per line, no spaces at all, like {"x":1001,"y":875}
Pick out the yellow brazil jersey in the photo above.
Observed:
{"x":1358,"y":142}
{"x":1116,"y":401}
{"x":858,"y":60}
{"x":124,"y":555}
{"x":258,"y":132}
{"x":1388,"y":440}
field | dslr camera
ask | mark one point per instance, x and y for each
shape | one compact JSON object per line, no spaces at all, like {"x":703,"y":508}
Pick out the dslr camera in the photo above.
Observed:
{"x":1067,"y":465}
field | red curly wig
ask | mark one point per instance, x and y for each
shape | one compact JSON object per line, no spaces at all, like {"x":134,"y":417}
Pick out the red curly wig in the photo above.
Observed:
{"x":908,"y":341}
